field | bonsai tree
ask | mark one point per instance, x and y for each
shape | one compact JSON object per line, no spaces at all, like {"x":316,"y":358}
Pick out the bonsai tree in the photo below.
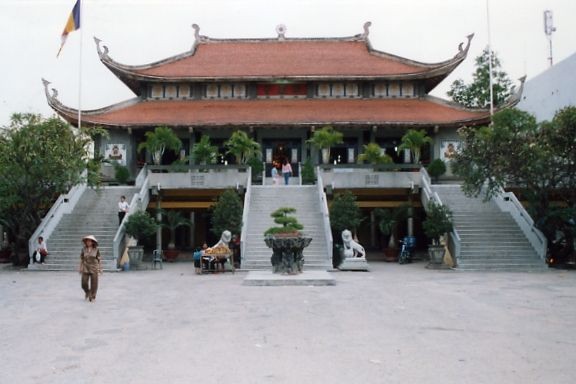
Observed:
{"x":140,"y":225}
{"x":174,"y":220}
{"x":242,"y":147}
{"x":324,"y":139}
{"x":308,"y":176}
{"x":414,"y":140}
{"x":289,"y":224}
{"x":436,"y":168}
{"x":227,"y":213}
{"x":373,"y":154}
{"x":438,"y":221}
{"x":158,"y":141}
{"x":203,"y":152}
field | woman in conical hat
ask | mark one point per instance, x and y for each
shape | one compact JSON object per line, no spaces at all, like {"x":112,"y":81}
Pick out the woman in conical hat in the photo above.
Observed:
{"x":90,"y":266}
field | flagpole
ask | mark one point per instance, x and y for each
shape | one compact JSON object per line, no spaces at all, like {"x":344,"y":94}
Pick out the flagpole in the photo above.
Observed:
{"x":490,"y":58}
{"x":80,"y":66}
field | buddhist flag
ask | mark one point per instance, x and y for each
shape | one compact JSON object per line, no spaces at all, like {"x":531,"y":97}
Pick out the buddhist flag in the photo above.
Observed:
{"x":72,"y":24}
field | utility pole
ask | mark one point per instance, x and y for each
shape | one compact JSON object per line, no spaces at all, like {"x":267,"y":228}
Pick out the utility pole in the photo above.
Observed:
{"x":548,"y":30}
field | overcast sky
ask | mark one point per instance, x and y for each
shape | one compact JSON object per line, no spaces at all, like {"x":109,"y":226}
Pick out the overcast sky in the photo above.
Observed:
{"x":143,"y":31}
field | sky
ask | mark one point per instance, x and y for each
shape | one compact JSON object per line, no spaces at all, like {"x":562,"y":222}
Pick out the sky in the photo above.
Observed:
{"x":144,"y":31}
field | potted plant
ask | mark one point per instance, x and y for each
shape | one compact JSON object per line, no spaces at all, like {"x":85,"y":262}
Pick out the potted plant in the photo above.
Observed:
{"x":139,"y":225}
{"x":438,"y":222}
{"x":255,"y":163}
{"x":414,"y":140}
{"x":344,"y":214}
{"x":388,"y":220}
{"x":158,"y":141}
{"x":373,"y":154}
{"x":173,"y":220}
{"x":436,"y":168}
{"x":324,"y":139}
{"x":308,"y":175}
{"x":203,"y":152}
{"x":287,"y":242}
{"x":242,"y":147}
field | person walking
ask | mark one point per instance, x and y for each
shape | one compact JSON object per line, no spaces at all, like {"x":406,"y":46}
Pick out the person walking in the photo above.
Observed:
{"x":286,"y":171}
{"x":122,"y":209}
{"x":90,"y":267}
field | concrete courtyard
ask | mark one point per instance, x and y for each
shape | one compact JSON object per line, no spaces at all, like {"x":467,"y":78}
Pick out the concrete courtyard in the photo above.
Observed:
{"x":395,"y":324}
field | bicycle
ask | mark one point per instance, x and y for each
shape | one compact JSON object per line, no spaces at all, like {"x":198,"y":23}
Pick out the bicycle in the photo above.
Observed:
{"x":408,"y":245}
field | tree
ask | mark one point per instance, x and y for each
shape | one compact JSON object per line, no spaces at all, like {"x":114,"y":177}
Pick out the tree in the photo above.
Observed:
{"x":373,"y":155}
{"x":158,"y":141}
{"x":324,"y":139}
{"x":140,"y":225}
{"x":174,"y":220}
{"x":242,"y":147}
{"x":204,"y":152}
{"x":227,"y":213}
{"x":345,"y":213}
{"x":39,"y":160}
{"x":414,"y":140}
{"x":477,"y":93}
{"x":289,"y":224}
{"x":539,"y":159}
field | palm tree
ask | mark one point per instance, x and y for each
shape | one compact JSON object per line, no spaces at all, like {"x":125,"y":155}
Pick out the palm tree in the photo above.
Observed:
{"x":373,"y":155}
{"x":414,"y":141}
{"x":204,"y":152}
{"x":158,"y":141}
{"x":242,"y":147}
{"x":174,"y":219}
{"x":324,"y":139}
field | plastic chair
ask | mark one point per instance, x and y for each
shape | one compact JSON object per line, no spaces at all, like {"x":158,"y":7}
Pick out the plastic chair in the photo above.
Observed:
{"x":157,"y":258}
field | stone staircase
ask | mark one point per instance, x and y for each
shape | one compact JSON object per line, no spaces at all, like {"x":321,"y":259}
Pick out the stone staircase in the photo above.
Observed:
{"x":265,"y":200}
{"x":491,"y":239}
{"x":95,"y":214}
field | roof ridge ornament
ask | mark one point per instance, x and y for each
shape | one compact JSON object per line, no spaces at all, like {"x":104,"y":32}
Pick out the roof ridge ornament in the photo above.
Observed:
{"x":366,"y":30}
{"x":281,"y":31}
{"x":101,"y":53}
{"x":197,"y":36}
{"x":465,"y":50}
{"x":54,"y":95}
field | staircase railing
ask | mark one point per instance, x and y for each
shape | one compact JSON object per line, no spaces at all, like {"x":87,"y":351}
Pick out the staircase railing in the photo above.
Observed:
{"x":325,"y":215}
{"x":245,"y":211}
{"x":508,"y":202}
{"x":139,"y":201}
{"x":64,"y":204}
{"x":454,"y":242}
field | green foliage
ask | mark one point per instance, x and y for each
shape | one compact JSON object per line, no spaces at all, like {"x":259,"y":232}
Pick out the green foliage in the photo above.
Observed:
{"x":173,"y":220}
{"x":39,"y":159}
{"x":344,"y":212}
{"x":227,"y":213}
{"x":242,"y":147}
{"x":477,"y":93}
{"x":140,"y":225}
{"x":308,"y":175}
{"x":121,"y":173}
{"x":414,"y":140}
{"x":203,"y":152}
{"x":289,"y":223}
{"x":436,"y":168}
{"x":325,"y":138}
{"x":373,"y":154}
{"x":388,"y":220}
{"x":158,"y":141}
{"x":438,"y":221}
{"x":539,"y":159}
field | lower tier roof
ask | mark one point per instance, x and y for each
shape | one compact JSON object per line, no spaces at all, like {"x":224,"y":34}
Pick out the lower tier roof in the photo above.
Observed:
{"x":138,"y":113}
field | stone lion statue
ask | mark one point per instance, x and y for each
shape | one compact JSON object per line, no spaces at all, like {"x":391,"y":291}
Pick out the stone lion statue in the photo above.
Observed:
{"x":351,"y":248}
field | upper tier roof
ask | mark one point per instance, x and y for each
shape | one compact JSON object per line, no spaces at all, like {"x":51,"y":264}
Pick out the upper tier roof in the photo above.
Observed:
{"x":349,"y":58}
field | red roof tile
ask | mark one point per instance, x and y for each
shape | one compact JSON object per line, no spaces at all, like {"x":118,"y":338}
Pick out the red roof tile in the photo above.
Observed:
{"x":407,"y":112}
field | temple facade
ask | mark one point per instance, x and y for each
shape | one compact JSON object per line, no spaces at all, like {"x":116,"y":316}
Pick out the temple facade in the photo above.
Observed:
{"x":279,"y":91}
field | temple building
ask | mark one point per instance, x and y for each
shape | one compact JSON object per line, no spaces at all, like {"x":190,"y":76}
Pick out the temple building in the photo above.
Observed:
{"x":279,"y":91}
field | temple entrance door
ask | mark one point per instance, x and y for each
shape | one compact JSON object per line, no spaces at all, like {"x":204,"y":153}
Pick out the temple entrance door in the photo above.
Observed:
{"x":278,"y":150}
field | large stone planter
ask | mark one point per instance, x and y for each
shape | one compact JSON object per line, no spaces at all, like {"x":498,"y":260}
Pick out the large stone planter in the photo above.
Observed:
{"x":287,"y":253}
{"x":436,"y":253}
{"x":135,"y":253}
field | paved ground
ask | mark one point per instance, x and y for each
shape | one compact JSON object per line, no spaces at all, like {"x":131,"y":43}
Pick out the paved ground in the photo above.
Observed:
{"x":396,"y":324}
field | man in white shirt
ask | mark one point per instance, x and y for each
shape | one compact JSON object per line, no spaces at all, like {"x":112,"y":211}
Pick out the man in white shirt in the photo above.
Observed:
{"x":122,"y":209}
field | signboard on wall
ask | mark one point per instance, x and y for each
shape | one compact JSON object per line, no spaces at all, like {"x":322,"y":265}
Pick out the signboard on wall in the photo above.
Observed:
{"x":449,"y":148}
{"x":116,"y":152}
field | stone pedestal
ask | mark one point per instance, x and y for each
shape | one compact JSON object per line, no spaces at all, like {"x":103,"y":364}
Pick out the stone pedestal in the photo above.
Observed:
{"x":354,"y":264}
{"x":287,"y":256}
{"x":135,"y":253}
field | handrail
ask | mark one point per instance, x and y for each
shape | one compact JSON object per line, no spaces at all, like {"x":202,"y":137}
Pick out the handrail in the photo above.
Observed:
{"x":263,"y":173}
{"x":245,"y":212}
{"x":65,"y":203}
{"x":299,"y":173}
{"x":325,"y":215}
{"x":139,"y":201}
{"x":508,"y":202}
{"x":141,"y":176}
{"x":454,"y":242}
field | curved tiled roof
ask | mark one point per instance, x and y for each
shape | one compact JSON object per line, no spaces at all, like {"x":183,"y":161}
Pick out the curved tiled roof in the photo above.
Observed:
{"x":136,"y":113}
{"x":297,"y":59}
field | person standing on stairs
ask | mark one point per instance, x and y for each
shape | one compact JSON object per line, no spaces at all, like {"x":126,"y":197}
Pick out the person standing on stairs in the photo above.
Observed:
{"x":90,"y":267}
{"x":286,"y":171}
{"x":122,"y":209}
